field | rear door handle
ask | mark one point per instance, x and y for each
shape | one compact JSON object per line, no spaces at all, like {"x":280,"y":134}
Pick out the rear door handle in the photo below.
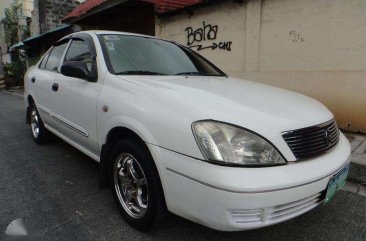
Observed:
{"x":33,"y":79}
{"x":55,"y":87}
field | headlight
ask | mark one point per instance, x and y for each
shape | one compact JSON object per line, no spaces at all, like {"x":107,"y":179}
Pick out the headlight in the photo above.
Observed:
{"x":230,"y":145}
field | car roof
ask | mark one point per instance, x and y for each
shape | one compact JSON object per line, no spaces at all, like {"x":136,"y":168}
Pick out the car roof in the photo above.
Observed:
{"x":104,"y":32}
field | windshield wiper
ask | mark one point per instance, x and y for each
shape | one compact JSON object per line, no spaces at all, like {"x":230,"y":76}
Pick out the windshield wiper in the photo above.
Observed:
{"x":138,"y":72}
{"x":197,"y":74}
{"x":188,"y":73}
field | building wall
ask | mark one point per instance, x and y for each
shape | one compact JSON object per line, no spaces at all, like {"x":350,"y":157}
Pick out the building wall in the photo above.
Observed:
{"x":3,"y":44}
{"x":4,"y":55}
{"x":2,"y":49}
{"x":34,"y":27}
{"x":313,"y":47}
{"x":27,"y":8}
{"x":230,"y":20}
{"x":49,"y":13}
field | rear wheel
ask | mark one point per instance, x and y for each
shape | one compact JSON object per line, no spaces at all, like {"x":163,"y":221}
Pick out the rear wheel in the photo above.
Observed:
{"x":39,"y":132}
{"x":136,"y":185}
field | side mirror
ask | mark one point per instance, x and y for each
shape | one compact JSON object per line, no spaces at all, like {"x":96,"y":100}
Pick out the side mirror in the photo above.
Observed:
{"x":77,"y":69}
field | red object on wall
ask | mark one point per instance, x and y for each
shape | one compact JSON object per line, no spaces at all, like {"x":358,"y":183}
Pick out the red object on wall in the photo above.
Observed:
{"x":165,"y":6}
{"x":84,"y":8}
{"x":161,"y":6}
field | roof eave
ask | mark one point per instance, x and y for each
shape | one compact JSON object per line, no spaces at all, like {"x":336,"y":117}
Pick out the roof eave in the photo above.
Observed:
{"x":97,"y":9}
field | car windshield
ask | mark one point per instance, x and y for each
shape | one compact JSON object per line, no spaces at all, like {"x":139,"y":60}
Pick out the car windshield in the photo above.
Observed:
{"x":136,"y":55}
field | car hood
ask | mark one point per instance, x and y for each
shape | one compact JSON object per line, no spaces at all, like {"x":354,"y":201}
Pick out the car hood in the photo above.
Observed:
{"x":261,"y":108}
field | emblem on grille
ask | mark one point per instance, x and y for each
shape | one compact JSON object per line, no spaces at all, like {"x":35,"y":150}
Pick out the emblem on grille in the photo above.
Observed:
{"x":328,"y":136}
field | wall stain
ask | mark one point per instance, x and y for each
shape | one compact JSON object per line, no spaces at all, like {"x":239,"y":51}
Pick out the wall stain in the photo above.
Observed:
{"x":296,"y":37}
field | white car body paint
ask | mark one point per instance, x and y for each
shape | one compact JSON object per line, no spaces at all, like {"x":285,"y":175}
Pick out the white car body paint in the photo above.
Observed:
{"x":161,"y":110}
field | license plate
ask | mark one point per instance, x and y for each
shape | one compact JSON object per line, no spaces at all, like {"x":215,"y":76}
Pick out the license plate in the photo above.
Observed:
{"x":336,"y":183}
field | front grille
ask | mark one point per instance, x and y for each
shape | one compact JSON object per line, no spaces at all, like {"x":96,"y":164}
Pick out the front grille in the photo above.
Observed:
{"x":253,"y":217}
{"x":312,"y":141}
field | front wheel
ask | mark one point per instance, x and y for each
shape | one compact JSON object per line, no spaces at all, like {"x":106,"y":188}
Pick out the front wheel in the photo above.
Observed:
{"x":136,"y":185}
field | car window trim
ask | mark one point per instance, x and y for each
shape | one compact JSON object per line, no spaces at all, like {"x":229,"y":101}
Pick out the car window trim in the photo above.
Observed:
{"x":88,"y":39}
{"x":71,"y":41}
{"x":105,"y":53}
{"x":67,"y":50}
{"x":212,"y":65}
{"x":64,"y":55}
{"x":46,"y":55}
{"x":62,"y":41}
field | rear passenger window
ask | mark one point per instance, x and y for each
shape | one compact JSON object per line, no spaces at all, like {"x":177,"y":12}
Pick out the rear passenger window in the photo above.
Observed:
{"x":44,"y":61}
{"x":54,"y":59}
{"x":79,"y":51}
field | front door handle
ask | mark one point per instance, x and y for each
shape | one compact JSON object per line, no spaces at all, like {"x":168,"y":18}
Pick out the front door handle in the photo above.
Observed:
{"x":55,"y":87}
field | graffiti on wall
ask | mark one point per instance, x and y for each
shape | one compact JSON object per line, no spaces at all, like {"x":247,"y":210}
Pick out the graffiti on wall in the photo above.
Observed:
{"x":197,"y":38}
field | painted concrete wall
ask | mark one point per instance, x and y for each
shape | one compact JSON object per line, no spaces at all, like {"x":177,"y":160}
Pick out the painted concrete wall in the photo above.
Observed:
{"x":314,"y":47}
{"x":27,"y":8}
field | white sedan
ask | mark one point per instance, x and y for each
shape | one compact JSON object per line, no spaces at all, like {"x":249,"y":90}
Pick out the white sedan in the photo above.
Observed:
{"x":173,"y":132}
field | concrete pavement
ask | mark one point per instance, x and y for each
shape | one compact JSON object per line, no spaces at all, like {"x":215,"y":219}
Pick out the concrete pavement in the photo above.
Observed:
{"x":357,"y":174}
{"x":54,"y":189}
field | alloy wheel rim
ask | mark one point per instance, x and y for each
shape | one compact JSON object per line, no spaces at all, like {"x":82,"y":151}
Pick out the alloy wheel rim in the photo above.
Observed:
{"x":131,"y":185}
{"x":35,"y":123}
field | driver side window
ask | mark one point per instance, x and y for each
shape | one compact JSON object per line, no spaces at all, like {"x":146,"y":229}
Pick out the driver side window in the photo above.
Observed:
{"x":54,"y":58}
{"x":79,"y":51}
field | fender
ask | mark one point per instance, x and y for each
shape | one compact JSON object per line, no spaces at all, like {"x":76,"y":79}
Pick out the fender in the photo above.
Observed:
{"x":135,"y":127}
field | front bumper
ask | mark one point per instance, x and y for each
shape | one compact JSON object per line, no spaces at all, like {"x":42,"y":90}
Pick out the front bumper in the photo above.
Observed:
{"x":233,"y":199}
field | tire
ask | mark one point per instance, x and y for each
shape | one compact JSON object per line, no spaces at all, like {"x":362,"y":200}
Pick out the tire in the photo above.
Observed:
{"x":146,"y":208}
{"x":39,"y":133}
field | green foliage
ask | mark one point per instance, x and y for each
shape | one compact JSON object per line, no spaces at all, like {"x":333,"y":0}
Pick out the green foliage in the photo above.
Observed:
{"x":26,"y":31}
{"x":14,"y":72}
{"x":11,"y":22}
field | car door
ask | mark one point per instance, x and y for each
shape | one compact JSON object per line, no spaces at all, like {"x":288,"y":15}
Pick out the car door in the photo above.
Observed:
{"x":43,"y":78}
{"x":76,"y":99}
